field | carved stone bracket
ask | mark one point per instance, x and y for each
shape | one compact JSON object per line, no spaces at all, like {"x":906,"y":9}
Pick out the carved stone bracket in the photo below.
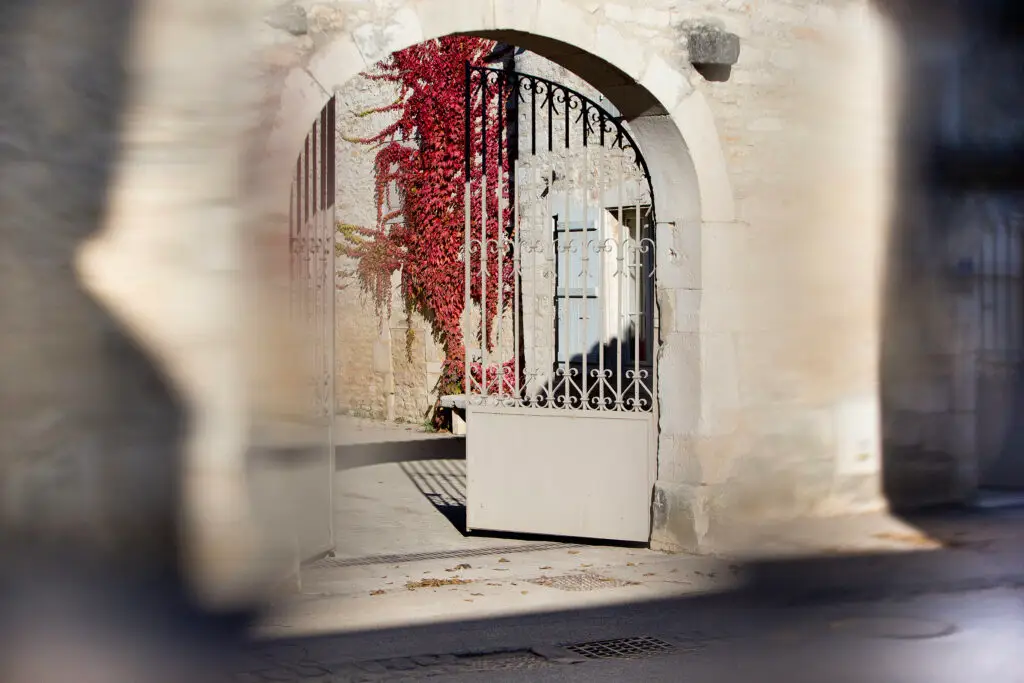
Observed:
{"x":712,"y":50}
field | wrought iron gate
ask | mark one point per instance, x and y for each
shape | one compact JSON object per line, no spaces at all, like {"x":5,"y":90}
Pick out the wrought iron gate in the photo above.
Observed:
{"x":312,"y":236}
{"x":303,"y":488}
{"x":998,"y":302}
{"x":560,"y":322}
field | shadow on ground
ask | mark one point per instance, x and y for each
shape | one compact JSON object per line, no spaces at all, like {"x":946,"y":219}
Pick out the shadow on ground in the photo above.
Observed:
{"x":379,"y":452}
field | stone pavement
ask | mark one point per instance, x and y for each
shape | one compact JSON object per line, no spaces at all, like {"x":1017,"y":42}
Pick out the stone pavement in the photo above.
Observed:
{"x":348,"y":596}
{"x":634,"y":615}
{"x":400,"y":493}
{"x":967,"y":636}
{"x":402,"y":559}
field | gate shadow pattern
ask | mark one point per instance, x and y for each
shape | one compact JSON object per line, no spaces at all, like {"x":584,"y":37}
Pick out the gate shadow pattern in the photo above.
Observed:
{"x":443,"y":483}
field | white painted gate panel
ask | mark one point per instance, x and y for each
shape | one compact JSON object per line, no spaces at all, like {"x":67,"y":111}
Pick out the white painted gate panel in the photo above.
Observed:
{"x":537,"y":471}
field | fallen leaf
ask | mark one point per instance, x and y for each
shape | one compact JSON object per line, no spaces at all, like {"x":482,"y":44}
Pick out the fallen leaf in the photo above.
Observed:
{"x":477,"y":595}
{"x":545,"y":567}
{"x":377,"y":592}
{"x":436,"y":583}
{"x":524,"y":592}
{"x":631,"y":564}
{"x":459,"y":567}
{"x":503,"y":560}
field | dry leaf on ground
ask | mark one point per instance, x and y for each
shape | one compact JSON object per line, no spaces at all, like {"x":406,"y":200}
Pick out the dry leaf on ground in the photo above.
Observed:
{"x":436,"y":583}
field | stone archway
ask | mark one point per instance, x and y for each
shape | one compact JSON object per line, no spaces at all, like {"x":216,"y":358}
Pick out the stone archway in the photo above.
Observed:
{"x":671,"y":120}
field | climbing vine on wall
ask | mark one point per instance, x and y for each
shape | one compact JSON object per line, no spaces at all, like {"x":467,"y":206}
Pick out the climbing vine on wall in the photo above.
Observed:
{"x":420,"y":170}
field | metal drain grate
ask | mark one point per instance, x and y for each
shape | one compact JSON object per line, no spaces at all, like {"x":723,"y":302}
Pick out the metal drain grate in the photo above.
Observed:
{"x":580,"y":582}
{"x":504,"y":661}
{"x":622,"y":648}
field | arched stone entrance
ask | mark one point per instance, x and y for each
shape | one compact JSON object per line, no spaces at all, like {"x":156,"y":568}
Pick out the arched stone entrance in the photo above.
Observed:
{"x":670,"y":119}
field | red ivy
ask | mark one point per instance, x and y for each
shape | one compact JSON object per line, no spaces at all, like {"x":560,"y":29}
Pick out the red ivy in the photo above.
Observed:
{"x":422,"y":155}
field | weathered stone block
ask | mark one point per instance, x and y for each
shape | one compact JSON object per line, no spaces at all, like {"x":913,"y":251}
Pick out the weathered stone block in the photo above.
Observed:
{"x":694,"y":117}
{"x":709,"y":44}
{"x":290,"y":18}
{"x":723,"y":246}
{"x":377,"y":40}
{"x":326,"y":20}
{"x":720,"y":400}
{"x":665,"y":82}
{"x":458,"y":16}
{"x":619,"y":51}
{"x":679,"y":383}
{"x":681,"y":310}
{"x":677,"y":460}
{"x":679,"y":256}
{"x":516,"y":15}
{"x":566,"y":22}
{"x":679,"y":517}
{"x":792,"y":422}
{"x":785,"y":59}
{"x":715,"y":458}
{"x":768,"y":487}
{"x":336,"y":63}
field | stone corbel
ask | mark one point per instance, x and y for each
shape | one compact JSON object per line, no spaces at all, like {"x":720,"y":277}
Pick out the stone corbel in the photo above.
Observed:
{"x":711,"y":49}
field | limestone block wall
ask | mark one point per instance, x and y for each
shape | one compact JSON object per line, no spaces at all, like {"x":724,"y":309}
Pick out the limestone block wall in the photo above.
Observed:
{"x":787,"y":311}
{"x":383,"y":371}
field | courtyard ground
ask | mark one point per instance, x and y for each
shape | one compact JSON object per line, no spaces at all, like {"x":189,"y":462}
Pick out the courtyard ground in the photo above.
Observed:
{"x":403,"y":559}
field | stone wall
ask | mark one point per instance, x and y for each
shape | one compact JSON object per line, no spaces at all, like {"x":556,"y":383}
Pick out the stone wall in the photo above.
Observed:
{"x":383,"y":371}
{"x":789,"y":301}
{"x":778,"y":207}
